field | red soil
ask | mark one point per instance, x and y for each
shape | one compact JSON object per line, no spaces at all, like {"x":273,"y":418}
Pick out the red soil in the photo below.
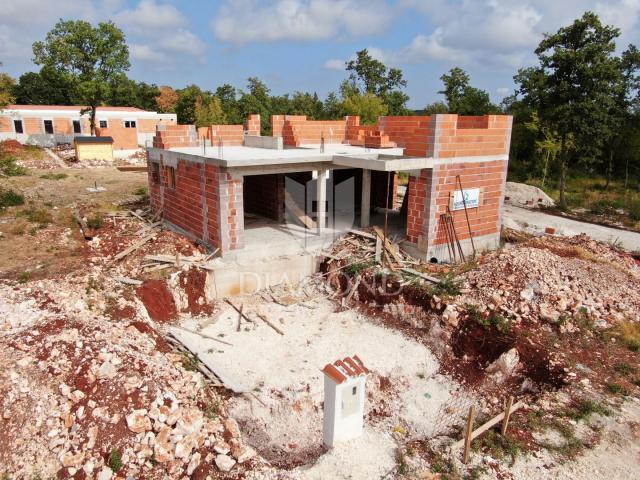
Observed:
{"x":158,"y":301}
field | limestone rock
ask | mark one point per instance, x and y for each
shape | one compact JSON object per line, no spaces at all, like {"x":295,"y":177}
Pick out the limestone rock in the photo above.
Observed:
{"x":506,"y":363}
{"x":138,"y":422}
{"x":225,"y":462}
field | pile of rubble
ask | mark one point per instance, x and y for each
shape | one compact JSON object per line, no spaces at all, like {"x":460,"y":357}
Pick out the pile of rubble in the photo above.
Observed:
{"x":558,"y":280}
{"x":84,"y":394}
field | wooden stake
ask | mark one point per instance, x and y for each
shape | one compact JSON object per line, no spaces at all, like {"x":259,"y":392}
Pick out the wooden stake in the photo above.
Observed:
{"x":266,"y":320}
{"x":507,"y":415}
{"x":467,"y":435}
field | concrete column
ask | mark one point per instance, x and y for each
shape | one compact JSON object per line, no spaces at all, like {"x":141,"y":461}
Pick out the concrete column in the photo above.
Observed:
{"x":365,"y":201}
{"x":321,"y":199}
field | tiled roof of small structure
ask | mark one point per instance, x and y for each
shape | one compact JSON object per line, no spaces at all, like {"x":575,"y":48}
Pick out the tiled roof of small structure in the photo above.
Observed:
{"x":349,"y":367}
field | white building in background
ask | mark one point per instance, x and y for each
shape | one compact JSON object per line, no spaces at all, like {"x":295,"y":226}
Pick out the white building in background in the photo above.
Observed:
{"x":48,"y":125}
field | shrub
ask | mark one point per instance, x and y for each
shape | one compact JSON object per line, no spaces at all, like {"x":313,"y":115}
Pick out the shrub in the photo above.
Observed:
{"x":115,"y":460}
{"x":629,"y":334}
{"x":54,"y":176}
{"x":634,"y":210}
{"x":95,"y":221}
{"x":9,"y":167}
{"x":36,"y":215}
{"x":141,"y":191}
{"x":583,"y":409}
{"x":448,"y":285}
{"x":10,"y":198}
{"x":358,"y":267}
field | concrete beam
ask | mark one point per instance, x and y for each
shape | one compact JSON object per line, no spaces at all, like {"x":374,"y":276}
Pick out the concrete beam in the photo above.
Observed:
{"x":321,"y":199}
{"x":365,"y":201}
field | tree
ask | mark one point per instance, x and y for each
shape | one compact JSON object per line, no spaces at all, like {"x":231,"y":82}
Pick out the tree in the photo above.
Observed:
{"x":435,"y":108}
{"x":369,"y":75}
{"x":229,"y":101}
{"x":125,"y":92}
{"x":461,"y":97}
{"x":6,"y":89}
{"x":46,"y":87}
{"x":92,"y":56}
{"x":186,"y":106}
{"x":208,"y":111}
{"x":256,"y":100}
{"x":166,"y":100}
{"x":573,"y":89}
{"x":367,"y":106}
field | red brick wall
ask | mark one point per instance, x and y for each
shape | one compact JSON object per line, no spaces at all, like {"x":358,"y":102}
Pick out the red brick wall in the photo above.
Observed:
{"x":171,"y":136}
{"x":484,"y":220}
{"x":252,"y":125}
{"x":418,"y":204}
{"x":206,"y":202}
{"x":296,"y":130}
{"x":413,"y":133}
{"x":472,"y":136}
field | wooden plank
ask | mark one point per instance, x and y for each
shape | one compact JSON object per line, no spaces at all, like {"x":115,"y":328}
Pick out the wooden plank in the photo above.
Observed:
{"x":507,"y":415}
{"x":378,"y":250}
{"x":197,"y":350}
{"x":429,"y":278}
{"x":354,"y":289}
{"x":494,"y":421}
{"x":389,"y":246}
{"x":208,"y":337}
{"x":133,"y":247}
{"x":128,"y":281}
{"x":362,"y":234}
{"x":300,"y":214}
{"x":268,"y":322}
{"x":468,"y":433}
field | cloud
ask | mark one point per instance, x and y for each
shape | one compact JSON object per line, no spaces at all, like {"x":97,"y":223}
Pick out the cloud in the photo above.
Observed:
{"x":334,"y":64}
{"x":156,"y":31}
{"x":150,"y":15}
{"x":500,"y":33}
{"x":244,"y":21}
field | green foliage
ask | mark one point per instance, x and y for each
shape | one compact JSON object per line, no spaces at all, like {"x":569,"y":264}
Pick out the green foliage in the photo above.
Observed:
{"x":6,"y":89}
{"x":54,"y":176}
{"x":616,"y":389}
{"x":9,"y":167}
{"x":95,"y":221}
{"x":10,"y":198}
{"x":448,"y":285}
{"x":499,"y":446}
{"x":583,"y":409}
{"x":115,"y":460}
{"x":38,"y":215}
{"x":141,"y":191}
{"x":461,"y":97}
{"x":356,"y":268}
{"x":208,"y":111}
{"x":573,"y":89}
{"x":368,"y":106}
{"x":89,"y":58}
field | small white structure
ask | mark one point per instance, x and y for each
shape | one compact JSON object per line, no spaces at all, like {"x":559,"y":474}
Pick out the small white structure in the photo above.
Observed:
{"x":344,"y":395}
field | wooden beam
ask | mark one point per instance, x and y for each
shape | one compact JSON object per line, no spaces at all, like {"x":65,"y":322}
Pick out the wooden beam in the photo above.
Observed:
{"x":365,"y":200}
{"x":468,"y":433}
{"x":507,"y":415}
{"x":494,"y":421}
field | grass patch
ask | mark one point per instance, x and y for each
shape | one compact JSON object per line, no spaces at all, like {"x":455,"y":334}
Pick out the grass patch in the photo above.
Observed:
{"x":190,"y":362}
{"x":358,"y":267}
{"x":499,"y":446}
{"x":616,"y":389}
{"x":448,"y":285}
{"x":583,"y":409}
{"x":95,"y":221}
{"x":54,"y":176}
{"x":142,"y":191}
{"x":10,"y":198}
{"x":9,"y":167}
{"x":34,"y":214}
{"x":625,"y":368}
{"x":629,"y":334}
{"x":115,"y":460}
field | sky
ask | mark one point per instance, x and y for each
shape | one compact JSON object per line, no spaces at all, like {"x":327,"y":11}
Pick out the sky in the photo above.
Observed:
{"x":303,"y":44}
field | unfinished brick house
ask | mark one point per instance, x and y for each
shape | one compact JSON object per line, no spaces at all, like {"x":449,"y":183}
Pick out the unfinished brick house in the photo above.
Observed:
{"x":48,"y":125}
{"x":235,"y":190}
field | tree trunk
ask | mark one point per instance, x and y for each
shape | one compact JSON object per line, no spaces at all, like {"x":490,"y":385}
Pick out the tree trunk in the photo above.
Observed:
{"x":626,"y":174}
{"x":563,"y":174}
{"x":609,"y":170}
{"x":92,"y":120}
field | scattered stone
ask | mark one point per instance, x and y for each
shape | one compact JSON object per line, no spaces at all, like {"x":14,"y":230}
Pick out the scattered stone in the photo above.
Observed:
{"x":224,"y":462}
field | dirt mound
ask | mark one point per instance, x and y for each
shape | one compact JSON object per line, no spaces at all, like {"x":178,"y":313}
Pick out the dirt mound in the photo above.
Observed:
{"x":522,"y":195}
{"x":158,"y":300}
{"x":11,"y":146}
